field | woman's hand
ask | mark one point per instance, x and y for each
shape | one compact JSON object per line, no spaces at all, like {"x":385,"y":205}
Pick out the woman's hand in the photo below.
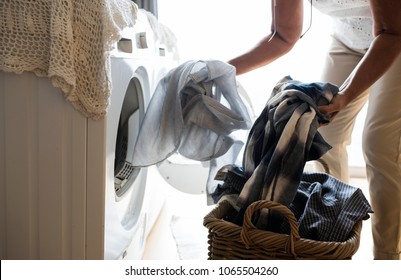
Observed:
{"x":338,"y":102}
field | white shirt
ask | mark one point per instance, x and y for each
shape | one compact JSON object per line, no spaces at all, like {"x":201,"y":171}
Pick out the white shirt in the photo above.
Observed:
{"x":353,"y":21}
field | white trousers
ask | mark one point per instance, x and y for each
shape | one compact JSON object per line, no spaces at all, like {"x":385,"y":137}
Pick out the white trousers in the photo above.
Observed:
{"x":381,"y":144}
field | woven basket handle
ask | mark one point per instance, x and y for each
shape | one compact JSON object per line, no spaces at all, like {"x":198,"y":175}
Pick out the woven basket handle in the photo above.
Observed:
{"x":257,"y":205}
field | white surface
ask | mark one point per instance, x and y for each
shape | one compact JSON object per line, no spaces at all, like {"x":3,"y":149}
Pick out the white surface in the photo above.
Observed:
{"x":52,"y":206}
{"x":57,"y":168}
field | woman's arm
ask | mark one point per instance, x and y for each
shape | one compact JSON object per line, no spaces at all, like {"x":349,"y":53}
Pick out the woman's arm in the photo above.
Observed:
{"x":286,"y":30}
{"x":385,"y":48}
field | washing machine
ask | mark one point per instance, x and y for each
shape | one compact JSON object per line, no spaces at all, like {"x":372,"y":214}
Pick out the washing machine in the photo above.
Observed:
{"x":68,"y":189}
{"x":127,"y":201}
{"x":140,"y":59}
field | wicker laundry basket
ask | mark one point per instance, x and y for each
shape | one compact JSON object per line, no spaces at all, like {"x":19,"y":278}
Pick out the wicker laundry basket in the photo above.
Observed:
{"x":230,"y":241}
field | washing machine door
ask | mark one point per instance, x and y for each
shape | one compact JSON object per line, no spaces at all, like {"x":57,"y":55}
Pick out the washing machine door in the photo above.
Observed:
{"x":190,"y":176}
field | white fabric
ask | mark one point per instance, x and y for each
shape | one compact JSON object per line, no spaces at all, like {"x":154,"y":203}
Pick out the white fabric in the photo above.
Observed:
{"x":66,"y":41}
{"x":163,"y":34}
{"x":352,"y":21}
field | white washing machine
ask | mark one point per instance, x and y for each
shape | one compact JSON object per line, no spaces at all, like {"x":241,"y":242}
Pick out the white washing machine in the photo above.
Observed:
{"x":126,"y":206}
{"x":139,"y":61}
{"x":67,"y":188}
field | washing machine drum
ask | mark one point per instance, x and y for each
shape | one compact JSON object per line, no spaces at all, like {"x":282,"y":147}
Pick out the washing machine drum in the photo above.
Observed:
{"x":128,"y":129}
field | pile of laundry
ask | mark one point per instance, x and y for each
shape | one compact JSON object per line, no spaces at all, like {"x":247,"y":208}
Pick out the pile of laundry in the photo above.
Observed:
{"x":283,"y":138}
{"x":196,"y":108}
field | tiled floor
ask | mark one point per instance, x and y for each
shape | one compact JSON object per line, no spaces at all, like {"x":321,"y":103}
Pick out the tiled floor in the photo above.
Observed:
{"x":161,"y":244}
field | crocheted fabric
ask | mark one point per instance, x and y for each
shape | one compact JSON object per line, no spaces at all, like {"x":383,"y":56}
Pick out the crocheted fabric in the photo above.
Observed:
{"x":67,"y":41}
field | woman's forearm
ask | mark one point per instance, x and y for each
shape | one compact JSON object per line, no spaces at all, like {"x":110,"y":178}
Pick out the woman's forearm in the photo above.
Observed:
{"x":384,"y":50}
{"x":264,"y":53}
{"x":286,"y":29}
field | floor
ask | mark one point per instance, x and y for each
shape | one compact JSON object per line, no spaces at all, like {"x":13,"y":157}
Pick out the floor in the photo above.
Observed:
{"x":162,"y":246}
